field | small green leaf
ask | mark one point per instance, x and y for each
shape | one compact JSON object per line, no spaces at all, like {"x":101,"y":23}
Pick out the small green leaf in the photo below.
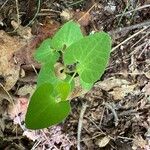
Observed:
{"x":44,"y":110}
{"x":63,"y":89}
{"x":44,"y":52}
{"x":47,"y":73}
{"x":68,"y":34}
{"x":91,"y":55}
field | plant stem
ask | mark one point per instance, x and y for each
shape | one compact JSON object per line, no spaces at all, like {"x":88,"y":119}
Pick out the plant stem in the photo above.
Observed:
{"x":72,"y":77}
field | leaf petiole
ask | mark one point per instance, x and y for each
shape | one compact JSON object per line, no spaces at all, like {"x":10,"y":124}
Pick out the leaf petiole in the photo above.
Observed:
{"x":72,"y":76}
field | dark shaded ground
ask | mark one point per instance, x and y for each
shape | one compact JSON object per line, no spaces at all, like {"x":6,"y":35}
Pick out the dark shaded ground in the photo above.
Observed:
{"x":122,"y":119}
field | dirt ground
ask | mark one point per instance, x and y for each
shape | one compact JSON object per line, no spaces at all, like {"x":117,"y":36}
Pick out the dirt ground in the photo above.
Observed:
{"x":115,"y":114}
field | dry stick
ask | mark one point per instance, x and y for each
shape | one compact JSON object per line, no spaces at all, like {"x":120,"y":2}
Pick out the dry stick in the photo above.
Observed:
{"x":35,"y":145}
{"x":83,"y":109}
{"x":87,"y":12}
{"x":36,"y":14}
{"x":132,"y":36}
{"x":46,"y":138}
{"x":17,"y":10}
{"x":143,"y":37}
{"x":4,"y":4}
{"x":96,"y":125}
{"x":146,"y":23}
{"x":114,"y":113}
{"x":101,"y":119}
{"x":12,"y":101}
{"x":138,"y":8}
{"x":34,"y":69}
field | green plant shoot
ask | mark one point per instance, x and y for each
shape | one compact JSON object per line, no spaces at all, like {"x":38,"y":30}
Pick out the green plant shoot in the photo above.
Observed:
{"x":66,"y":57}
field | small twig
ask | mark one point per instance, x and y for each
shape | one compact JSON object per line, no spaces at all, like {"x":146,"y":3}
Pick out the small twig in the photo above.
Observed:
{"x":74,"y":74}
{"x":75,"y":3}
{"x":10,"y":97}
{"x":17,"y":10}
{"x":83,"y":109}
{"x":36,"y":14}
{"x":113,"y":111}
{"x":125,"y":138}
{"x":46,"y":138}
{"x":12,"y":102}
{"x":129,"y":38}
{"x":4,"y":4}
{"x":143,"y":37}
{"x":136,"y":9}
{"x":96,"y":125}
{"x":127,"y":6}
{"x":36,"y":144}
{"x":34,"y":69}
{"x":87,"y":12}
{"x":132,"y":27}
{"x":100,"y":123}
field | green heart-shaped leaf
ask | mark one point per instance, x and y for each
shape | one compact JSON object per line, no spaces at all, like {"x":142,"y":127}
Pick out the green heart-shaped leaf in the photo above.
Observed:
{"x":91,"y":55}
{"x":47,"y":74}
{"x":86,"y":86}
{"x":44,"y":110}
{"x":44,"y":52}
{"x":68,"y":34}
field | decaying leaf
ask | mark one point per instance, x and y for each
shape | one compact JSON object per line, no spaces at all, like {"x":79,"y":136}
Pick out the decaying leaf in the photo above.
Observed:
{"x":26,"y":89}
{"x":112,"y":82}
{"x":122,"y":91}
{"x":8,"y":69}
{"x":24,"y":32}
{"x":119,"y":88}
{"x":139,"y":143}
{"x":18,"y":110}
{"x":102,"y":142}
{"x":66,"y":15}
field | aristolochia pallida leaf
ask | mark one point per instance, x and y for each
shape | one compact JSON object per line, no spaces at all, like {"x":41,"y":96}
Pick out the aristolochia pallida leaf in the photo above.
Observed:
{"x":45,"y":109}
{"x":68,"y":34}
{"x":91,"y":55}
{"x":45,"y":53}
{"x":47,"y":74}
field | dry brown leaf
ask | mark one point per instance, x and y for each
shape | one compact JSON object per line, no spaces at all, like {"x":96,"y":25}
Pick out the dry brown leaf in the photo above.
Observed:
{"x":24,"y":32}
{"x":102,"y":142}
{"x":26,"y":89}
{"x":111,"y":83}
{"x":119,"y":88}
{"x":18,"y":110}
{"x":139,"y":143}
{"x":83,"y":18}
{"x":66,"y":15}
{"x":8,"y":69}
{"x":122,"y":91}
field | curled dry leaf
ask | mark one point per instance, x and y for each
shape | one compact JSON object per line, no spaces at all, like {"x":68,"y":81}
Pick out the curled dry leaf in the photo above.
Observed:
{"x":112,"y":82}
{"x":24,"y":32}
{"x":66,"y":15}
{"x":8,"y":69}
{"x":26,"y":89}
{"x":102,"y":142}
{"x":59,"y":71}
{"x":122,"y":91}
{"x":119,"y":88}
{"x":18,"y":110}
{"x":140,"y":143}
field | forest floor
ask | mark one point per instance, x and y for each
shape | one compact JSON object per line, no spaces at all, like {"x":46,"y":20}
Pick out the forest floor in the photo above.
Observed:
{"x":115,"y":114}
